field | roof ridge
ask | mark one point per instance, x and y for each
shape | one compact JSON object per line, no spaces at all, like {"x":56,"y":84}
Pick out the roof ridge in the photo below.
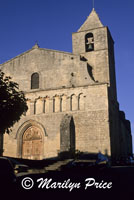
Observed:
{"x":33,"y":48}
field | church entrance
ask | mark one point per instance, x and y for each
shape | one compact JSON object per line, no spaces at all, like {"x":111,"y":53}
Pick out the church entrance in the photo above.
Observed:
{"x":32,"y":143}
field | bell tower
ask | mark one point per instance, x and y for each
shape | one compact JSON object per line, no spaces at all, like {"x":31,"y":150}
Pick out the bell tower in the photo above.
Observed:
{"x":94,"y":43}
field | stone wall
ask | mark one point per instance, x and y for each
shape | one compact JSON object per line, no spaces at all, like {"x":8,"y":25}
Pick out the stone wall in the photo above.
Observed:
{"x":90,"y":121}
{"x":56,"y":69}
{"x":97,"y":59}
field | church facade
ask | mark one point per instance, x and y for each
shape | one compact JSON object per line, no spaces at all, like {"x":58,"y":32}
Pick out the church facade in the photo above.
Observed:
{"x":71,"y":98}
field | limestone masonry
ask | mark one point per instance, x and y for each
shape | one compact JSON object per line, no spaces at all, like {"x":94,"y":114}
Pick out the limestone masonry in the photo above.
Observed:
{"x":71,"y":97}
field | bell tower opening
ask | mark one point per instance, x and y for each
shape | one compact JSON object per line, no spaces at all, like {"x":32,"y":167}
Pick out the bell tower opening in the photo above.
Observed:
{"x":89,"y":42}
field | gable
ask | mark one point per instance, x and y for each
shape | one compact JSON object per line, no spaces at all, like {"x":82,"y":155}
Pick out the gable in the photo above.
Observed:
{"x":55,"y":69}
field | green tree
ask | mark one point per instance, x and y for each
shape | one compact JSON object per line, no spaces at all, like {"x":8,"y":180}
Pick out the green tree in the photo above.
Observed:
{"x":12,"y":104}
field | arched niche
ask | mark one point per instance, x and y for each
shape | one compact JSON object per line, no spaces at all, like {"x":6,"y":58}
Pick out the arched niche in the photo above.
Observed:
{"x":73,"y":102}
{"x":67,"y":134}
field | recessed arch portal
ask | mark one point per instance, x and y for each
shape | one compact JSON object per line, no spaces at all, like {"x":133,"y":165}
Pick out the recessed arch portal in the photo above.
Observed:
{"x":32,"y":143}
{"x":30,"y":140}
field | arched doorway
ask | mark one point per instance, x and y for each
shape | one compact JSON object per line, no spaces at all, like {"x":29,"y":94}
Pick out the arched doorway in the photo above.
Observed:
{"x":67,"y":134}
{"x":32,"y":143}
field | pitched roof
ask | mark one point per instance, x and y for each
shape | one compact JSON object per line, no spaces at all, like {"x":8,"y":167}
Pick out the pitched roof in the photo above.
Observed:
{"x":91,"y":22}
{"x":36,"y":47}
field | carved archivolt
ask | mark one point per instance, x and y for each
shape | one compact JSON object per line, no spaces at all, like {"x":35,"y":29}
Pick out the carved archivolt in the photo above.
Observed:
{"x":30,"y":139}
{"x":32,"y":133}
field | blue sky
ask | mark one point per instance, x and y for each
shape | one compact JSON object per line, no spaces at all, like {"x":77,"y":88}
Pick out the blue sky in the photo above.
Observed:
{"x":51,"y":23}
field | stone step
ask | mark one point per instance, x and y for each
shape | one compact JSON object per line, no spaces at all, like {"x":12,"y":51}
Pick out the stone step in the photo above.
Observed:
{"x":57,"y":165}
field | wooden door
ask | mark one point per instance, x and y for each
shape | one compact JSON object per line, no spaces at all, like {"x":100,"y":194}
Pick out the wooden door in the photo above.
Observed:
{"x":32,"y":145}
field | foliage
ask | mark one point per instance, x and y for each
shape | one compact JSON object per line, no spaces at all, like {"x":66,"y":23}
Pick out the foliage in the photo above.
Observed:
{"x":12,"y":103}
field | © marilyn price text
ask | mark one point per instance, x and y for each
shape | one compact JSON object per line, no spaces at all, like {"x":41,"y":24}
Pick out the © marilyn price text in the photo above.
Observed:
{"x":27,"y":183}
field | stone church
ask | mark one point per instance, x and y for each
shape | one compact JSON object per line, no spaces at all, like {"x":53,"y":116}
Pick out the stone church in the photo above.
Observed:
{"x":71,"y":98}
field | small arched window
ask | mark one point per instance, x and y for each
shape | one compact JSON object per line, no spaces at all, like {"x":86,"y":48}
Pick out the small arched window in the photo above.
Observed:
{"x":35,"y":81}
{"x":89,"y":42}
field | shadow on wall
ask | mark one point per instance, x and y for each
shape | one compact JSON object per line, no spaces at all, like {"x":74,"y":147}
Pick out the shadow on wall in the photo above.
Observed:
{"x":89,"y":68}
{"x":90,"y":72}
